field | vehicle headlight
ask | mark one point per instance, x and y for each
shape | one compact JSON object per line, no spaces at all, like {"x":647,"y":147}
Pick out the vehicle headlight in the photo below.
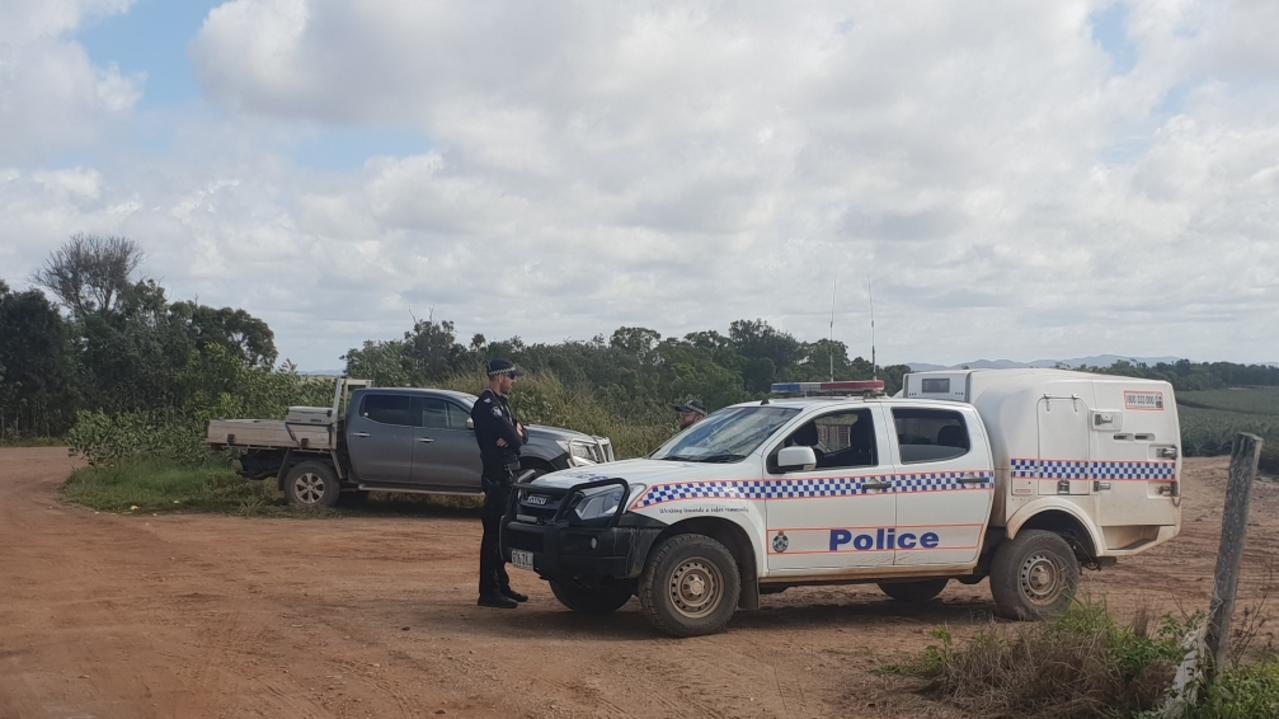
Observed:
{"x":579,"y":452}
{"x":601,"y":502}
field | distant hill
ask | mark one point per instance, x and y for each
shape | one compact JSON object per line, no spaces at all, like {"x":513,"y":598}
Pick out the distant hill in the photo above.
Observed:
{"x":1092,"y":361}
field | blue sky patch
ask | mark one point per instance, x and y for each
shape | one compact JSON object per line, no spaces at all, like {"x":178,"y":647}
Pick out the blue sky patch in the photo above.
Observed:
{"x":1110,"y":29}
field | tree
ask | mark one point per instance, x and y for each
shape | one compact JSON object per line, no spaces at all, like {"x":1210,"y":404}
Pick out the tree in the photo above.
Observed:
{"x":35,"y":389}
{"x":383,"y":362}
{"x":434,"y":351}
{"x":245,"y":336}
{"x":637,"y":342}
{"x":756,"y":340}
{"x":90,"y":273}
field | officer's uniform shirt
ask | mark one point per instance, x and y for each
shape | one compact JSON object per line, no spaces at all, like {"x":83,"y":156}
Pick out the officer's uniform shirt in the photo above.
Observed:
{"x":494,"y":420}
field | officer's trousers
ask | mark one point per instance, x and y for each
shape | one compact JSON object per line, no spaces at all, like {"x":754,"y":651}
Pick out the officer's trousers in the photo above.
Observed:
{"x":497,"y":492}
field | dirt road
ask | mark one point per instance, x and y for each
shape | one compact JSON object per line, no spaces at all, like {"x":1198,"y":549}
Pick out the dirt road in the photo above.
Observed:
{"x":211,"y":616}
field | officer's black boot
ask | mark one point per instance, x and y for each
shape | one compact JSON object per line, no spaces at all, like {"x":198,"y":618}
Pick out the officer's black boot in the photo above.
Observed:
{"x":514,"y":595}
{"x":497,"y":601}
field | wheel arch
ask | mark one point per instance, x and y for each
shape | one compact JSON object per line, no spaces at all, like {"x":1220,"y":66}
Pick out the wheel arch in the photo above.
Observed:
{"x":293,"y":458}
{"x":738,"y":541}
{"x":1064,"y":519}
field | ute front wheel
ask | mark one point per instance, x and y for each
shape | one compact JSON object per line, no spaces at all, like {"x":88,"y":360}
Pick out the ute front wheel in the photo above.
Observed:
{"x":690,"y":586}
{"x":1034,"y":576}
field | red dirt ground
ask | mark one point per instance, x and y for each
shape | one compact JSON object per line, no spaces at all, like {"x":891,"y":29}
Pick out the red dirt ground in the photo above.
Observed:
{"x":105,"y":615}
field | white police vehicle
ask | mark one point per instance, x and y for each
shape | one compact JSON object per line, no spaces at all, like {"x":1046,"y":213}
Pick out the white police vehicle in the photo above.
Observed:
{"x":1021,"y":476}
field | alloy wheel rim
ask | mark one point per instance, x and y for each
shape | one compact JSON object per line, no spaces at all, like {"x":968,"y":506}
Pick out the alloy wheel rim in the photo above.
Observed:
{"x":308,"y":488}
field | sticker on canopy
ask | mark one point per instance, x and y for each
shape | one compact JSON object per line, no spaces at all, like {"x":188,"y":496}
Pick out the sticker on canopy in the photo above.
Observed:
{"x":1144,"y":401}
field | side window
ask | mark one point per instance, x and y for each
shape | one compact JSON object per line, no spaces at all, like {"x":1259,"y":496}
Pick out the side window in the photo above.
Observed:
{"x":458,"y":416}
{"x":839,"y":439}
{"x":930,"y":435}
{"x":388,"y":409}
{"x":435,"y":413}
{"x":440,"y":413}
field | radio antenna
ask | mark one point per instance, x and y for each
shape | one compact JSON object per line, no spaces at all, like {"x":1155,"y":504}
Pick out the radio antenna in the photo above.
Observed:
{"x":874,"y":368}
{"x":830,"y":341}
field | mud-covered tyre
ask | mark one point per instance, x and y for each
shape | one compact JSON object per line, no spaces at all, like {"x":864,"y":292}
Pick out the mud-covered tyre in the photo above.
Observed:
{"x":598,"y":599}
{"x":1034,"y":576}
{"x":690,"y":586}
{"x":312,"y":486}
{"x":914,"y":592}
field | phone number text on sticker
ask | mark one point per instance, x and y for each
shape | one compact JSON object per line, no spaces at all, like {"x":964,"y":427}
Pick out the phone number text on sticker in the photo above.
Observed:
{"x":1149,"y":401}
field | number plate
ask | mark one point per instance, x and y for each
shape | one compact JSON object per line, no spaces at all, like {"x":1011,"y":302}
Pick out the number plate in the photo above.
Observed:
{"x":522,"y":559}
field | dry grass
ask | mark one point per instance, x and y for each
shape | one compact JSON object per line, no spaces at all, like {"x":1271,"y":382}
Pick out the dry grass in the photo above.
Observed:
{"x":1084,"y":664}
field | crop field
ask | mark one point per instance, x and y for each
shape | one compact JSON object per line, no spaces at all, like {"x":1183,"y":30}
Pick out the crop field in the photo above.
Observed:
{"x":1210,"y":419}
{"x":1248,"y":400}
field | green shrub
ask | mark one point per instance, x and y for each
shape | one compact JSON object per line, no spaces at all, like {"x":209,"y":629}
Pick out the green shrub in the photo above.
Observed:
{"x":1083,"y":664}
{"x":1248,"y":692}
{"x":544,"y":399}
{"x":178,"y":434}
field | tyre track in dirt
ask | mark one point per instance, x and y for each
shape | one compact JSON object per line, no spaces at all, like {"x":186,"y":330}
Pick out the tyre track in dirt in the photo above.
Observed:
{"x":371,"y":616}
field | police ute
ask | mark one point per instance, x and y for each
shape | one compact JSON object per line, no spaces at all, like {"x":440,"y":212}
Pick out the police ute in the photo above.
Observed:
{"x":1021,"y":476}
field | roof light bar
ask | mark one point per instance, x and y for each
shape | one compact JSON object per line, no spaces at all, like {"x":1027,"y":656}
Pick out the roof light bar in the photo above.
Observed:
{"x":855,"y":385}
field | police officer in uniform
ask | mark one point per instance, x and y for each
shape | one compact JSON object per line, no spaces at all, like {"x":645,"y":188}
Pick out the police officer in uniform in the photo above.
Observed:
{"x":500,"y":437}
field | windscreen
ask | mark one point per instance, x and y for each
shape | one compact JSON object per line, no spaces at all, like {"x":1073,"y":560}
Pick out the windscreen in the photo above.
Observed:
{"x":726,"y":436}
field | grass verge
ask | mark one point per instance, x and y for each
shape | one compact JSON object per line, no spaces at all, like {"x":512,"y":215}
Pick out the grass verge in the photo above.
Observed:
{"x":157,"y":485}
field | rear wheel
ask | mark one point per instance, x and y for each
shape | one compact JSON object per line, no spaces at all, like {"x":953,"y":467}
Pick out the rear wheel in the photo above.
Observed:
{"x":690,"y":586}
{"x":312,"y":486}
{"x":1034,"y":576}
{"x":601,"y":598}
{"x":919,"y":591}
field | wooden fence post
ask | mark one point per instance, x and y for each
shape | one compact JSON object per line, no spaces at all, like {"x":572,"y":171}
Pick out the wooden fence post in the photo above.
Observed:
{"x":1234,"y":527}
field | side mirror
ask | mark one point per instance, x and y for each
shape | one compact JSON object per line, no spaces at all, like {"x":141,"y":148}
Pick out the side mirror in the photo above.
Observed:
{"x":470,"y":423}
{"x":797,"y":458}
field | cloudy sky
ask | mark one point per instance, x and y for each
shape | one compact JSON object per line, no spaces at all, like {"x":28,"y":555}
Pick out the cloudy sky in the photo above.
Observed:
{"x":1018,"y":180}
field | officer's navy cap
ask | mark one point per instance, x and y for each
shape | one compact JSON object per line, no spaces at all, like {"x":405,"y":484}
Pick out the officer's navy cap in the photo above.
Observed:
{"x":500,"y":366}
{"x":693,"y":405}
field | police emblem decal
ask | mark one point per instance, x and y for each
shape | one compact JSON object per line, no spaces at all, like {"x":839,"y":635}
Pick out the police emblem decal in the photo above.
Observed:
{"x":780,"y":542}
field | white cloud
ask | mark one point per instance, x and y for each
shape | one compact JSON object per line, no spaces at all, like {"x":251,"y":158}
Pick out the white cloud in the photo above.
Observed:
{"x":681,"y":166}
{"x":52,"y":97}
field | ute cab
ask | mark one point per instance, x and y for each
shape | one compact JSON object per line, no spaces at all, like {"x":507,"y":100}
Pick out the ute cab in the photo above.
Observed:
{"x":1019,"y":476}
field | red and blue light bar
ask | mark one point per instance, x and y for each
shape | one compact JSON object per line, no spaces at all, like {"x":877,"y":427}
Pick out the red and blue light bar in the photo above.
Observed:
{"x":855,"y":386}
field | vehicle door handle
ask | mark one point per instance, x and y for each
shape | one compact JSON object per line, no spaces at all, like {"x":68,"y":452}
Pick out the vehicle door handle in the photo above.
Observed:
{"x":1100,"y":486}
{"x":359,"y":434}
{"x":425,"y":440}
{"x":1166,"y":452}
{"x":877,"y":485}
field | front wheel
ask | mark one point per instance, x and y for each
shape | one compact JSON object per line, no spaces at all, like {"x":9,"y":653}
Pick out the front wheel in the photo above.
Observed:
{"x":1034,"y":576}
{"x":690,"y":586}
{"x":312,"y":486}
{"x":918,"y":591}
{"x":602,"y":598}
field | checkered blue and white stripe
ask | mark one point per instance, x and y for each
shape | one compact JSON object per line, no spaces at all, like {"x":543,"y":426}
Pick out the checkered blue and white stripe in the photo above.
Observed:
{"x":816,"y":487}
{"x":1084,"y":469}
